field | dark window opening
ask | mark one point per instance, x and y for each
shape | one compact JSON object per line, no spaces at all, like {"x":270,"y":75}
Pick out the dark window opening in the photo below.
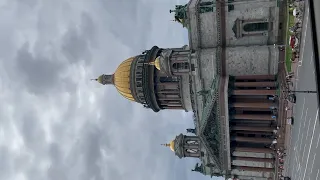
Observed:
{"x":230,"y":5}
{"x":206,"y":7}
{"x":180,"y":66}
{"x":192,"y":67}
{"x":168,"y":79}
{"x":261,"y":26}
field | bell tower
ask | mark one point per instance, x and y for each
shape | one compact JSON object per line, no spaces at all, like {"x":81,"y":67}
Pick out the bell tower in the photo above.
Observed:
{"x":186,"y":146}
{"x":175,"y":61}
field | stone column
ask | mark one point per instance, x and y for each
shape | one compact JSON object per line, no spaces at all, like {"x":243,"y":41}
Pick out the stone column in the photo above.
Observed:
{"x":256,"y":77}
{"x":251,"y":100}
{"x":268,"y":105}
{"x":248,"y":128}
{"x":252,"y":109}
{"x":254,"y":150}
{"x":254,"y":92}
{"x":172,"y":107}
{"x":261,"y":117}
{"x":255,"y":159}
{"x":254,"y":132}
{"x":168,"y":92}
{"x":251,"y":139}
{"x":242,"y":122}
{"x":256,"y":169}
{"x":169,"y":98}
{"x":255,"y":84}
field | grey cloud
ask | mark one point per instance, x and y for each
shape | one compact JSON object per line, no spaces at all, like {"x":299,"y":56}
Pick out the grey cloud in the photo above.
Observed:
{"x":75,"y":47}
{"x":30,"y":3}
{"x":57,"y":168}
{"x":31,"y":130}
{"x":39,"y":73}
{"x":55,"y":152}
{"x":77,"y":42}
{"x":132,"y":24}
{"x":5,"y":162}
{"x":91,"y":150}
{"x":128,"y":133}
{"x":87,"y":148}
{"x":34,"y":173}
{"x":88,"y":28}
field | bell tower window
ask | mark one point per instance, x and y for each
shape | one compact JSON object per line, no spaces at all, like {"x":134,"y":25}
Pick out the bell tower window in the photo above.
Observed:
{"x":168,"y":79}
{"x":180,"y":66}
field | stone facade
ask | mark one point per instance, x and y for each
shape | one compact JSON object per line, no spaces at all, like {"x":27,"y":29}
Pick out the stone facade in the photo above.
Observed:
{"x":203,"y":31}
{"x":252,"y":60}
{"x":185,"y":88}
{"x":251,"y":28}
{"x":251,"y":163}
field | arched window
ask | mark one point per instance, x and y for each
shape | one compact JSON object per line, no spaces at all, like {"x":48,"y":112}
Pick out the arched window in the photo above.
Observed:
{"x":261,"y":26}
{"x":180,"y":66}
{"x":192,"y":142}
{"x":192,"y":150}
{"x":169,"y":79}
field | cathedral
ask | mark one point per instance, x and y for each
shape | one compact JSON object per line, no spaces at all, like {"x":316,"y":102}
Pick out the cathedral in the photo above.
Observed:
{"x":227,"y":76}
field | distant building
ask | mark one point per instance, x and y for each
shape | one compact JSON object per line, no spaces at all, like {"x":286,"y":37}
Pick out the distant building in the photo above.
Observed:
{"x":227,"y":76}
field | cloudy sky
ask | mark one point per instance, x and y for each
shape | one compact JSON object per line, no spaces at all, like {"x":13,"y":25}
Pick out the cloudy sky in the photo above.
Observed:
{"x":54,"y":122}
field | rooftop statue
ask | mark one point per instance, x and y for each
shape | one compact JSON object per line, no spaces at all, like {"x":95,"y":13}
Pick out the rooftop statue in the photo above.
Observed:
{"x":198,"y":168}
{"x":180,"y":14}
{"x":191,"y":131}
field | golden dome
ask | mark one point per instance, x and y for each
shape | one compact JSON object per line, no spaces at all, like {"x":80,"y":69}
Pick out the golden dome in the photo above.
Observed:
{"x":156,"y":63}
{"x":172,"y":145}
{"x":100,"y":79}
{"x":121,"y":79}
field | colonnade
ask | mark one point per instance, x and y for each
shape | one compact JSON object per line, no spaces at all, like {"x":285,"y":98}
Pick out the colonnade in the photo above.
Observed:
{"x":253,"y":115}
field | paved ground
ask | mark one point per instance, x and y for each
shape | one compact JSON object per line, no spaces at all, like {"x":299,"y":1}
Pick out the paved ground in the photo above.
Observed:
{"x":303,"y":160}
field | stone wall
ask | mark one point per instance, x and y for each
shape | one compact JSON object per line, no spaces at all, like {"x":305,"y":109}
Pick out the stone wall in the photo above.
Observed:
{"x":263,"y":12}
{"x":252,"y":164}
{"x":185,"y":89}
{"x":203,"y":27}
{"x":252,"y":60}
{"x":208,"y":66}
{"x":208,"y":29}
{"x":193,"y":25}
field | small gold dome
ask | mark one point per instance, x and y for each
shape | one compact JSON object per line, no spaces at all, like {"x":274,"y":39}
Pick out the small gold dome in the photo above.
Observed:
{"x":172,"y":145}
{"x":121,"y":79}
{"x":100,"y":79}
{"x":157,"y":63}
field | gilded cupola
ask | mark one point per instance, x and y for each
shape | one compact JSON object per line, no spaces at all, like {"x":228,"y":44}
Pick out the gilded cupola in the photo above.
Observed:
{"x":120,"y":79}
{"x":170,"y":145}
